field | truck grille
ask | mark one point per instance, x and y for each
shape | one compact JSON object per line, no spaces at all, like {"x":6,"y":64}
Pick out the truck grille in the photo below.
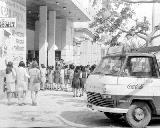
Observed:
{"x":96,"y":99}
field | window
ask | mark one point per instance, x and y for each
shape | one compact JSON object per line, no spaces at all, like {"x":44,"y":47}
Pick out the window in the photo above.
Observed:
{"x":110,"y":65}
{"x":140,"y":67}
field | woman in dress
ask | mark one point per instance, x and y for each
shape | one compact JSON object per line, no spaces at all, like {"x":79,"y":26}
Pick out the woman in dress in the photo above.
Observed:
{"x":22,"y":84}
{"x":10,"y":81}
{"x":76,"y":81}
{"x":66,"y":76}
{"x":35,"y":80}
{"x":62,"y":77}
{"x":83,"y":80}
{"x":57,"y":77}
{"x":43,"y":71}
{"x":50,"y":78}
{"x":71,"y":74}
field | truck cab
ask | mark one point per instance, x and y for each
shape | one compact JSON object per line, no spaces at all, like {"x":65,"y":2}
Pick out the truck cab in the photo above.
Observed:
{"x":126,"y":85}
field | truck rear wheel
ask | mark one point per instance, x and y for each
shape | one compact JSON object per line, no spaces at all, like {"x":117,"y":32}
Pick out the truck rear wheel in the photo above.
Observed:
{"x":138,"y":115}
{"x":113,"y":116}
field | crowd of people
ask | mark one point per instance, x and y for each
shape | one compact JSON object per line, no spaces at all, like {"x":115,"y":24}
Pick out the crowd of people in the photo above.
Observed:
{"x":34,"y":78}
{"x":63,"y":77}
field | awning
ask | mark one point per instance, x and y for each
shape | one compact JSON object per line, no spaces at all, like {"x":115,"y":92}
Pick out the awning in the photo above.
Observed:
{"x":70,"y":9}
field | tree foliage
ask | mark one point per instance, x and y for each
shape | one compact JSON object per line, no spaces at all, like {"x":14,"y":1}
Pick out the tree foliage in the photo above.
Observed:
{"x":114,"y":21}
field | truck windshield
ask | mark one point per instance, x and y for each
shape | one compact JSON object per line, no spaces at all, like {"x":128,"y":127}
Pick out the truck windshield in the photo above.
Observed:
{"x":110,"y":65}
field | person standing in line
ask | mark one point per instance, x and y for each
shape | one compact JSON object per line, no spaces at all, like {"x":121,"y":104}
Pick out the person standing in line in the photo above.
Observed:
{"x":43,"y":76}
{"x":62,"y":77}
{"x":92,"y":68}
{"x":80,"y":79}
{"x":50,"y":78}
{"x":83,"y":80}
{"x":76,"y":81}
{"x":47,"y":77}
{"x":10,"y":76}
{"x":66,"y":76}
{"x":35,"y":80}
{"x":57,"y":77}
{"x":71,"y":74}
{"x":88,"y":70}
{"x":53,"y":86}
{"x":22,"y":77}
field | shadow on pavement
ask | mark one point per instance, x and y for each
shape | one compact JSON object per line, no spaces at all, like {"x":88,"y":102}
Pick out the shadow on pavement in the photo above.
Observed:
{"x":91,"y":119}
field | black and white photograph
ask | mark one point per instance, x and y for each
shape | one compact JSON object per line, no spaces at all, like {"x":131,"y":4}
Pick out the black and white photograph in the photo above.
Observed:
{"x":80,"y":63}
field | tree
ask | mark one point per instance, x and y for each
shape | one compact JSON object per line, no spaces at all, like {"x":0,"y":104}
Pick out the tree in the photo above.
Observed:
{"x":141,"y":1}
{"x":114,"y":21}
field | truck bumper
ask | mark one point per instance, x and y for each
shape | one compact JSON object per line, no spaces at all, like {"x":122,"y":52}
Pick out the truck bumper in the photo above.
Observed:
{"x":107,"y":109}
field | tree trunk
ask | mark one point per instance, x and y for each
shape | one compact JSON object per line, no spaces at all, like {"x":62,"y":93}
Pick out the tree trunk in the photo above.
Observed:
{"x":148,"y":41}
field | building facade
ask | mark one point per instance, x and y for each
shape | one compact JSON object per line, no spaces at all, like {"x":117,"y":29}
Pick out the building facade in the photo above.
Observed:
{"x":44,"y":31}
{"x":50,"y":28}
{"x":87,"y":52}
{"x":12,"y":39}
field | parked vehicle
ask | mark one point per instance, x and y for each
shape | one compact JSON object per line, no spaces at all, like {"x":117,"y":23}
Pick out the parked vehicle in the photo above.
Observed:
{"x":126,"y":85}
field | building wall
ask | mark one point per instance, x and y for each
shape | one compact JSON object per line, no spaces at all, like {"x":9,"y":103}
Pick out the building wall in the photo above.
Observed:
{"x":76,"y":54}
{"x":12,"y":40}
{"x":60,"y":33}
{"x":63,"y":38}
{"x":69,"y":41}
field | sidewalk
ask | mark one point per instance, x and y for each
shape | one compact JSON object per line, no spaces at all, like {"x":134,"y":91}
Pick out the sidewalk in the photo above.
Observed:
{"x":47,"y":114}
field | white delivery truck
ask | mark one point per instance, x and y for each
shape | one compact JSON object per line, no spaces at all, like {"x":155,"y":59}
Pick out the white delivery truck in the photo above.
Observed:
{"x":126,"y":85}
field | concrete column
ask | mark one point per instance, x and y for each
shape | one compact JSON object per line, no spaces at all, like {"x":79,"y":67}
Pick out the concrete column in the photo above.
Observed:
{"x":51,"y":38}
{"x":36,"y":37}
{"x":43,"y":36}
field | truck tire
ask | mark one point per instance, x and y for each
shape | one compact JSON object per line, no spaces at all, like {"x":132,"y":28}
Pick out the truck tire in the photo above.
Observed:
{"x":113,"y":116}
{"x":138,"y":115}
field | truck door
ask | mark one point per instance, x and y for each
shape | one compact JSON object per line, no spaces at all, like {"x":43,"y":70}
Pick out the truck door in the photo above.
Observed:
{"x":154,"y":82}
{"x":133,"y":78}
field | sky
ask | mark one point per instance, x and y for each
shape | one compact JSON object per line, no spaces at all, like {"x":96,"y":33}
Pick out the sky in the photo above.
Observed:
{"x":142,"y":10}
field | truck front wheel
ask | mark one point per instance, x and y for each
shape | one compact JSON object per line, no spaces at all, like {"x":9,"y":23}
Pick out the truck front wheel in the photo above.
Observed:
{"x":138,"y":115}
{"x":113,"y":116}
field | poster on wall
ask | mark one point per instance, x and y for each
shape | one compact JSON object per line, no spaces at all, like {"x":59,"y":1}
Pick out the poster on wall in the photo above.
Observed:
{"x":12,"y":31}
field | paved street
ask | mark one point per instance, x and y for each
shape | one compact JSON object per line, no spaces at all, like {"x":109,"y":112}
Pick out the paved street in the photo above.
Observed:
{"x":56,"y":109}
